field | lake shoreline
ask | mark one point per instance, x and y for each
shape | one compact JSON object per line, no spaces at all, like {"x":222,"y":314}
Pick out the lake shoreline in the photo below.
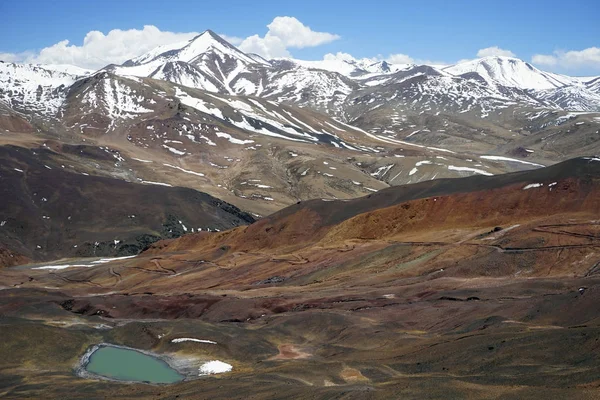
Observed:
{"x":182,"y":366}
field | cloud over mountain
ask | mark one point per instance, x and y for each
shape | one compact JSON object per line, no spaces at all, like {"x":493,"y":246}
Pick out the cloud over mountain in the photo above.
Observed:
{"x":495,"y":51}
{"x":117,"y":46}
{"x":285,"y":33}
{"x":571,"y":59}
{"x":99,"y":49}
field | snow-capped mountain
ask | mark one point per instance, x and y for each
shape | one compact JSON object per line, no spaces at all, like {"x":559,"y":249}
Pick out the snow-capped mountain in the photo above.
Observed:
{"x":594,"y":85}
{"x":210,"y":63}
{"x":322,"y":90}
{"x":194,"y":51}
{"x":572,"y":97}
{"x":511,"y":72}
{"x":106,"y":102}
{"x":103,"y":100}
{"x":67,"y":69}
{"x":205,"y":62}
{"x":340,"y":86}
{"x":34,"y":89}
{"x":353,"y":68}
{"x":189,"y":75}
{"x":426,"y":90}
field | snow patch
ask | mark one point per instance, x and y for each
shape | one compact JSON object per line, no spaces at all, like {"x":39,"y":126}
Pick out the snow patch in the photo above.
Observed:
{"x":214,"y":367}
{"x":467,"y":169}
{"x":232,"y":139}
{"x":88,"y":265}
{"x":533,"y":185}
{"x":156,"y":183}
{"x":187,"y":171}
{"x":498,"y":158}
{"x":179,"y":340}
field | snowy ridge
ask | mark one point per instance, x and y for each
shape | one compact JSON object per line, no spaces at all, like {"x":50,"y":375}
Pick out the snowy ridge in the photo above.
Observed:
{"x":594,"y":85}
{"x":29,"y":88}
{"x":351,"y":67}
{"x":484,"y":85}
{"x":157,"y":51}
{"x":511,"y":72}
{"x":205,"y":62}
{"x":191,"y":50}
{"x":258,"y":117}
{"x":340,"y":86}
{"x":572,"y":98}
{"x":317,"y":88}
{"x":187,"y":75}
{"x":114,"y":98}
{"x":67,"y":69}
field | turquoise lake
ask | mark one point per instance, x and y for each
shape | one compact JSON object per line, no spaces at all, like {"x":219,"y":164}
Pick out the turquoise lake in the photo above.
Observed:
{"x":130,"y":365}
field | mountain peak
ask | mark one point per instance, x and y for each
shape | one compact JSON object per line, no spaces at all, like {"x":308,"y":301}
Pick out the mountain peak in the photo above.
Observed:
{"x":509,"y":72}
{"x":210,"y":41}
{"x":209,"y":34}
{"x":191,"y":50}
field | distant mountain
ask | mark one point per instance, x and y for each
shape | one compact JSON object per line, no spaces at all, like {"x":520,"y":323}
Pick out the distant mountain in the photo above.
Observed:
{"x":34,"y":89}
{"x":67,"y":69}
{"x":510,"y":72}
{"x":205,"y":62}
{"x":210,"y":63}
{"x":194,"y":51}
{"x":594,"y":85}
{"x":354,"y":68}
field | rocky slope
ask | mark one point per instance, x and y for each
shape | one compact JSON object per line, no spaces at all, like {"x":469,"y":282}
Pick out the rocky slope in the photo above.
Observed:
{"x":54,"y":206}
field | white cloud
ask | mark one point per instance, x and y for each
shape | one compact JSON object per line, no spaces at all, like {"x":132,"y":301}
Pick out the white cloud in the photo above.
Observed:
{"x":573,"y":59}
{"x":117,"y":46}
{"x":544,"y":60}
{"x":297,"y":35}
{"x":463,"y":60}
{"x":267,"y":47}
{"x":285,"y":33}
{"x":12,"y":57}
{"x":338,"y":56}
{"x":400,"y":59}
{"x":99,"y":50}
{"x":495,"y":51}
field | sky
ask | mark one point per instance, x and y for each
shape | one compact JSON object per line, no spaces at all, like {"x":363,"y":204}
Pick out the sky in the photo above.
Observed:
{"x":556,"y":36}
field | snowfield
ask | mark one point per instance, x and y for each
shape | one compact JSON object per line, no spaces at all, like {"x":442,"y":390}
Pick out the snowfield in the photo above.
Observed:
{"x":86,"y":265}
{"x":214,"y":367}
{"x":180,"y":340}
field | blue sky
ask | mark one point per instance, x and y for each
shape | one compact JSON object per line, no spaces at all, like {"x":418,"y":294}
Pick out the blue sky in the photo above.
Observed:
{"x":433,"y":30}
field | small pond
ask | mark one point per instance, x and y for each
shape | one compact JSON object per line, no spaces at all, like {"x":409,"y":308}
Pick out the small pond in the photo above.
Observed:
{"x":130,"y":365}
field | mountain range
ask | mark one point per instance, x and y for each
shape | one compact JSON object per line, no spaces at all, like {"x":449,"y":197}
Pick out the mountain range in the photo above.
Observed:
{"x":264,"y":134}
{"x":210,"y":63}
